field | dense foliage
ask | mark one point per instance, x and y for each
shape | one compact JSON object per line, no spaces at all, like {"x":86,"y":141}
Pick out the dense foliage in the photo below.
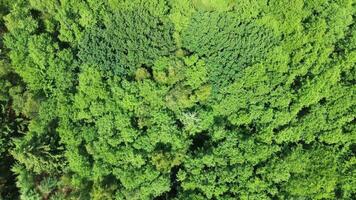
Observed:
{"x":177,"y":99}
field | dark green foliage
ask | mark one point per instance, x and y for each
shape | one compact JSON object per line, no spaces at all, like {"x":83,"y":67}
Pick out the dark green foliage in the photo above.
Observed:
{"x":40,"y":153}
{"x":227,"y":43}
{"x":126,"y":40}
{"x":12,"y":124}
{"x":179,"y":99}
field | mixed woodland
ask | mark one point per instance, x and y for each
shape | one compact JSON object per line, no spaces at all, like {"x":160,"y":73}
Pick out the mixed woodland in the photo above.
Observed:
{"x":177,"y":99}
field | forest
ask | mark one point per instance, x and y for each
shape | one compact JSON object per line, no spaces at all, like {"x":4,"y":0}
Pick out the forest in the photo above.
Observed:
{"x":177,"y":99}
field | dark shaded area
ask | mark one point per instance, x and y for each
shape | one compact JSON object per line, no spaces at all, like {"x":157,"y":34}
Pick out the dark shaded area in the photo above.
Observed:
{"x":297,"y":83}
{"x":148,"y":69}
{"x":109,"y":180}
{"x":322,"y":101}
{"x":349,"y":78}
{"x":223,"y":121}
{"x":179,"y":124}
{"x":307,"y":146}
{"x":83,"y":151}
{"x":300,"y":80}
{"x":10,"y":124}
{"x":173,"y":192}
{"x":353,"y":149}
{"x":280,"y":128}
{"x":163,"y":147}
{"x":247,"y":130}
{"x":303,"y":112}
{"x":338,"y":192}
{"x":134,"y":122}
{"x":201,"y":142}
{"x":10,"y":127}
{"x":37,"y":15}
{"x":8,"y":189}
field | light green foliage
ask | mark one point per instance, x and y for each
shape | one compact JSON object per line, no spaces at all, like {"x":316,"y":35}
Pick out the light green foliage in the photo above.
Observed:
{"x":178,"y":99}
{"x":124,"y":140}
{"x":180,"y":15}
{"x":25,"y":183}
{"x":213,"y":5}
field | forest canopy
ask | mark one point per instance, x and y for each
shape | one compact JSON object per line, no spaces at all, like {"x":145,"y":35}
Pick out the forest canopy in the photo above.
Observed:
{"x":177,"y":99}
